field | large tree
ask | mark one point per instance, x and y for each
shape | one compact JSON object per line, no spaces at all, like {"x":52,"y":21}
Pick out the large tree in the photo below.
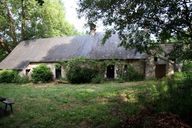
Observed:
{"x":135,"y":21}
{"x":29,"y":19}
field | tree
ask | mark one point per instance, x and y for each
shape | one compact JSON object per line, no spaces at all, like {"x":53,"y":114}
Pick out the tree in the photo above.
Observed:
{"x":40,"y":2}
{"x":30,"y":19}
{"x":135,"y":20}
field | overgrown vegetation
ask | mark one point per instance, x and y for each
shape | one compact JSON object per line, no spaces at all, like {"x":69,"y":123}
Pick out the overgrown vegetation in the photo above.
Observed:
{"x":8,"y":76}
{"x":82,"y":70}
{"x":171,"y":95}
{"x":42,"y":74}
{"x":12,"y":76}
{"x":130,"y":74}
{"x":79,"y":70}
{"x":122,"y":105}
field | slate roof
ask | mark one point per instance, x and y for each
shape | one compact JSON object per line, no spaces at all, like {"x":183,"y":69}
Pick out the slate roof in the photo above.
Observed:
{"x":63,"y":48}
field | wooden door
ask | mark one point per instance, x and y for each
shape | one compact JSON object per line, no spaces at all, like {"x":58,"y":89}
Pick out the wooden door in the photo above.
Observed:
{"x":160,"y":71}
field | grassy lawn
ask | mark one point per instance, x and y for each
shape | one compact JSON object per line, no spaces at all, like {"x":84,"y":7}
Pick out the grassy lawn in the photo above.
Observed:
{"x":72,"y":106}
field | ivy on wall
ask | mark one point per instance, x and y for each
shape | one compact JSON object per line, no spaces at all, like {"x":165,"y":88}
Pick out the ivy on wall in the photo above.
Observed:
{"x":100,"y":66}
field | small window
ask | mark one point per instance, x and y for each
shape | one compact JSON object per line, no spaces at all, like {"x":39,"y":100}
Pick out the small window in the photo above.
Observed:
{"x":173,"y":59}
{"x":27,"y":71}
{"x":125,"y":67}
{"x":155,"y":59}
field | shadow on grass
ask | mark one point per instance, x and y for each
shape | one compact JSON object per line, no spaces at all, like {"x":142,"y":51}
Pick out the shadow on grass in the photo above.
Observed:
{"x":165,"y":104}
{"x":4,"y":113}
{"x":103,"y":106}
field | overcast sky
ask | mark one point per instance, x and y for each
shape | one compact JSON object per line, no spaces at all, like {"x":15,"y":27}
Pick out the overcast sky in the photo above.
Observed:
{"x":72,"y":17}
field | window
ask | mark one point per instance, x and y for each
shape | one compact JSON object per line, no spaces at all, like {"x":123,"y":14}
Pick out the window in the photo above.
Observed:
{"x":155,"y":59}
{"x":27,"y":72}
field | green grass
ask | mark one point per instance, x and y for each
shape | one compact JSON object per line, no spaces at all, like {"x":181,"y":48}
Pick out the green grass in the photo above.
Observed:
{"x":72,"y":106}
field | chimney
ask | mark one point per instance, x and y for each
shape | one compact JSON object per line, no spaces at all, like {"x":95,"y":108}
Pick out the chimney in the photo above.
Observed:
{"x":92,"y":29}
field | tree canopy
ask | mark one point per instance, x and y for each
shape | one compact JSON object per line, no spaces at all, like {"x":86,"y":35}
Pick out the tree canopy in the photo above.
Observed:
{"x":30,"y":19}
{"x":169,"y":21}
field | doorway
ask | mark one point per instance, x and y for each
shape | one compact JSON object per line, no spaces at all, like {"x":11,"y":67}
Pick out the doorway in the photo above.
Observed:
{"x":111,"y":71}
{"x":160,"y":71}
{"x":58,"y":72}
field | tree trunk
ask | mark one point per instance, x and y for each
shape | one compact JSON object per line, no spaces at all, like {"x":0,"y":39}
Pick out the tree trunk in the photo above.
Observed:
{"x":5,"y":46}
{"x":23,"y":24}
{"x":11,"y":24}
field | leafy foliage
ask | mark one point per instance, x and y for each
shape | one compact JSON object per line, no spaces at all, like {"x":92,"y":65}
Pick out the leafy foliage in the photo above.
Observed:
{"x":136,"y":21}
{"x":22,"y":79}
{"x":8,"y":76}
{"x":99,"y":70}
{"x":177,"y":97}
{"x":26,"y":19}
{"x":130,"y":74}
{"x":187,"y":67}
{"x":2,"y":54}
{"x":79,"y":74}
{"x":40,"y":2}
{"x":171,"y":95}
{"x":97,"y":79}
{"x":78,"y":71}
{"x":41,"y":74}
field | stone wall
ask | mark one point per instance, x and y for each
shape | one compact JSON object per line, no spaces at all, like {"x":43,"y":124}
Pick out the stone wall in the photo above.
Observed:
{"x":33,"y":65}
{"x":145,"y":67}
{"x":150,"y":68}
{"x":138,"y":65}
{"x":151,"y":65}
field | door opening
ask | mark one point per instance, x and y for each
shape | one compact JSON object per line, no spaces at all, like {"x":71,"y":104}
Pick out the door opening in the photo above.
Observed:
{"x":111,"y":71}
{"x":160,"y":71}
{"x":58,"y":72}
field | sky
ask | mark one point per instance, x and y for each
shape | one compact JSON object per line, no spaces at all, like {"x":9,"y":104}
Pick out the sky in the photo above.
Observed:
{"x":72,"y":16}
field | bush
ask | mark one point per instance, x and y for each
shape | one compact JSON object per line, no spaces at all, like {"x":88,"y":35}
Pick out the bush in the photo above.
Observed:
{"x":79,"y":74}
{"x":41,"y":74}
{"x":187,"y":67}
{"x":97,"y":79}
{"x":22,"y":79}
{"x":173,"y":96}
{"x":179,"y":76}
{"x":131,"y":74}
{"x":79,"y":70}
{"x":120,"y":80}
{"x":8,"y":76}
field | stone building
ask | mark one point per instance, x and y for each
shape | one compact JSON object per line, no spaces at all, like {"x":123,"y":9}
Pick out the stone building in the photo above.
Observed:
{"x":50,"y":51}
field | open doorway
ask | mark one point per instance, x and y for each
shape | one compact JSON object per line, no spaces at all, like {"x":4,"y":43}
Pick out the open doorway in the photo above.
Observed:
{"x":58,"y":72}
{"x":160,"y":71}
{"x":111,"y":71}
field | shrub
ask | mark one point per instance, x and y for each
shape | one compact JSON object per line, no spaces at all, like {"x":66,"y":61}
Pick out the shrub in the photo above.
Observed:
{"x":79,"y":70}
{"x":80,"y":74}
{"x":187,"y":67}
{"x":178,"y":76}
{"x":131,"y":74}
{"x":173,"y":96}
{"x":22,"y":79}
{"x":8,"y":76}
{"x":120,"y":80}
{"x":97,"y":79}
{"x":41,"y":74}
